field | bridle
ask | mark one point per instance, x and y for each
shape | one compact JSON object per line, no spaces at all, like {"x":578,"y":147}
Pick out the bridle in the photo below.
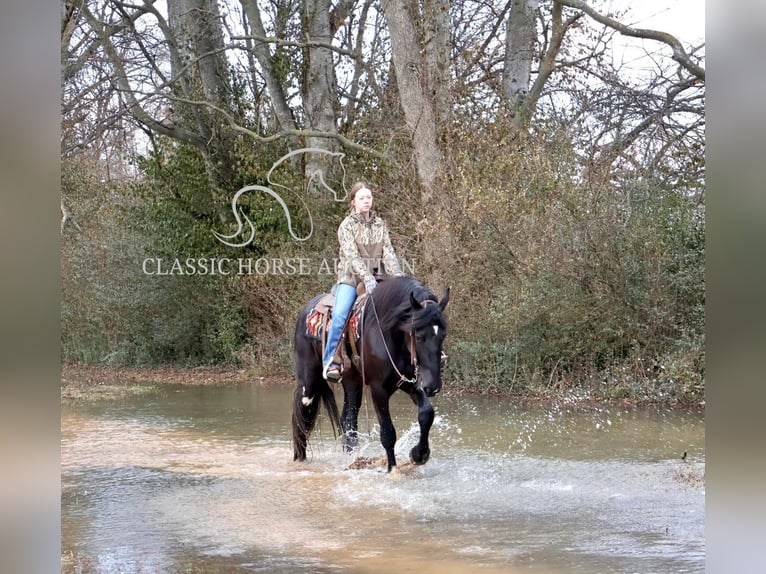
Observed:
{"x":403,"y":380}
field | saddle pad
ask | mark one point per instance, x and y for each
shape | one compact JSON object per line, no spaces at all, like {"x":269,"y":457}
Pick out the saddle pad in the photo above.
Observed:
{"x":315,"y":324}
{"x":315,"y":320}
{"x":353,"y":320}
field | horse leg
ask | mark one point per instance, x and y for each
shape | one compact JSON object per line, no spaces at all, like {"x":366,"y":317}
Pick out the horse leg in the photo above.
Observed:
{"x":421,"y":451}
{"x":306,"y":400}
{"x":380,"y":398}
{"x":352,"y":402}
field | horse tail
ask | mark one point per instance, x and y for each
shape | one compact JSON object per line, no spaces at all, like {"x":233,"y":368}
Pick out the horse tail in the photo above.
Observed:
{"x":306,"y":411}
{"x":312,"y":389}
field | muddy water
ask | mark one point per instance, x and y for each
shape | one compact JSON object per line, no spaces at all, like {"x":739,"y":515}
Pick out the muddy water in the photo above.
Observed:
{"x":201,"y":479}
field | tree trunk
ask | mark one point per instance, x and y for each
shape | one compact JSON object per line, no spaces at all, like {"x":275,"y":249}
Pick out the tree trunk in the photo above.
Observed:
{"x":413,"y":93}
{"x":520,"y":39}
{"x":319,"y":89}
{"x":263,"y":54}
{"x":421,"y":121}
{"x":437,"y":43}
{"x":523,"y":99}
{"x":196,"y":26}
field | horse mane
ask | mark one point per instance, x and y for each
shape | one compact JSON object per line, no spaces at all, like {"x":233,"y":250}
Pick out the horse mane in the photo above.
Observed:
{"x":393,"y":308}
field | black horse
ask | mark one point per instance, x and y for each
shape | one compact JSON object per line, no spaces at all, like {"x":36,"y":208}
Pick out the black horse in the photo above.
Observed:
{"x":402,"y":329}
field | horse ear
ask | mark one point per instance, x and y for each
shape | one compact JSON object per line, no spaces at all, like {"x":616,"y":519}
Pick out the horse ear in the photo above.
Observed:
{"x":414,"y":302}
{"x":444,"y":300}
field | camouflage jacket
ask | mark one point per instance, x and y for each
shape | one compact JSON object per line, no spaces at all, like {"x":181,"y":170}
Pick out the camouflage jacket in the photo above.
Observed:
{"x":365,"y":250}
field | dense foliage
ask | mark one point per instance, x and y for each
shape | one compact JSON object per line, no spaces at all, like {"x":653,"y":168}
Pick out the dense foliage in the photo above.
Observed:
{"x":555,"y":284}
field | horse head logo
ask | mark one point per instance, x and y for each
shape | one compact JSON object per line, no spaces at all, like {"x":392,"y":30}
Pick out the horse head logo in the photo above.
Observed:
{"x":241,"y":238}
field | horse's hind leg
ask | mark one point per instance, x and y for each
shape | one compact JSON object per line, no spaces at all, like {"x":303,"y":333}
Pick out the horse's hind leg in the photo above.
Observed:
{"x":306,"y":400}
{"x":305,"y":411}
{"x":352,"y":402}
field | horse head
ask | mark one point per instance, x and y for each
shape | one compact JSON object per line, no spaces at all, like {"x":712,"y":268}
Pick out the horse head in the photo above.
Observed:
{"x":429,"y":328}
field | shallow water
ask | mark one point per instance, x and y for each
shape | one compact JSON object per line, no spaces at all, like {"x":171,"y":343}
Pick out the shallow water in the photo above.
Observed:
{"x":201,"y":479}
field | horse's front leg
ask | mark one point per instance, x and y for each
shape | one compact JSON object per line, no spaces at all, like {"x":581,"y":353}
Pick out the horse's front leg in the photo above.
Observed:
{"x":421,"y":451}
{"x":352,"y":402}
{"x":380,"y":398}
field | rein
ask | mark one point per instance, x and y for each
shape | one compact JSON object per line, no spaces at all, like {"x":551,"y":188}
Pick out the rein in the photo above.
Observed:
{"x":413,"y":351}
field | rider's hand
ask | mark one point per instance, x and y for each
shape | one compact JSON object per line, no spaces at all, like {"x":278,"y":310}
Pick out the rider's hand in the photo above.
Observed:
{"x":369,"y":285}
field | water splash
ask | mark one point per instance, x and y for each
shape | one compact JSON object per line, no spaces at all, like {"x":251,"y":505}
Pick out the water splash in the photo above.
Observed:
{"x":565,"y":420}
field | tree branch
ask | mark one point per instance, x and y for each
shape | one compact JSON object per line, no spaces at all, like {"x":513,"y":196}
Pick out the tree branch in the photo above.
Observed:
{"x":120,"y":80}
{"x":284,"y":133}
{"x":294,"y":44}
{"x":547,"y":65}
{"x":679,"y":54}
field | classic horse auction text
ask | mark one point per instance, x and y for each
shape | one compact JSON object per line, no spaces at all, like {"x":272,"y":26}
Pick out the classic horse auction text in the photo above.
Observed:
{"x":248,"y":266}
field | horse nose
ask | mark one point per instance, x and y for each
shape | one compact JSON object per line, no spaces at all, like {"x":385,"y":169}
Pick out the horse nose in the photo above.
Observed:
{"x":429,"y":382}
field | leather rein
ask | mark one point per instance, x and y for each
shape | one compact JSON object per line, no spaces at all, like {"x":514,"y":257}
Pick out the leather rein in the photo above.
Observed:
{"x":413,"y":350}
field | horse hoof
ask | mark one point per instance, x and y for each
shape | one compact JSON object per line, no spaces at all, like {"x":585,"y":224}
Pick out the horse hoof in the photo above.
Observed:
{"x":418,"y":456}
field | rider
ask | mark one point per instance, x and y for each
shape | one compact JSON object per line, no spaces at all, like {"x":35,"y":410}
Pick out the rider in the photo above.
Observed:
{"x":365,"y":247}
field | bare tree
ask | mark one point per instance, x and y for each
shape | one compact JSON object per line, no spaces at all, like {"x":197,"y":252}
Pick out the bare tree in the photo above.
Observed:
{"x":319,"y":88}
{"x":520,"y":41}
{"x":680,"y":55}
{"x":431,"y":60}
{"x":261,"y":48}
{"x":419,"y":99}
{"x":195,"y":35}
{"x":414,"y":94}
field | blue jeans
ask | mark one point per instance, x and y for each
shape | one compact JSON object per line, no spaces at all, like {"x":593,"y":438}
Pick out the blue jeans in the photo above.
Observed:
{"x":345,"y":295}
